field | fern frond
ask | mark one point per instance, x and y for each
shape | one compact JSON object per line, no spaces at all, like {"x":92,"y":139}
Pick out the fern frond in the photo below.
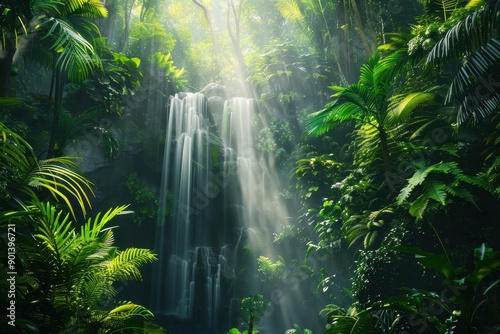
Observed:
{"x":435,"y":191}
{"x":128,"y":310}
{"x":126,"y":264}
{"x":55,"y":231}
{"x":436,"y":188}
{"x":93,"y":227}
{"x":95,"y":290}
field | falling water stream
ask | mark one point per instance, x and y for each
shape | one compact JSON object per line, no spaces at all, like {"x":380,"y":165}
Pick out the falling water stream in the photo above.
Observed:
{"x":219,"y":203}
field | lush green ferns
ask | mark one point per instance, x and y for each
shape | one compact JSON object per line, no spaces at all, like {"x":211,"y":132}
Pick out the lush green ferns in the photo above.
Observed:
{"x":351,"y":321}
{"x":76,"y":271}
{"x":431,"y":186}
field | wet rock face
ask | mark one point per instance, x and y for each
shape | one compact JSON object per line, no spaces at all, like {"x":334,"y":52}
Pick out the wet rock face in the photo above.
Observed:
{"x":215,"y":106}
{"x":214,"y":89}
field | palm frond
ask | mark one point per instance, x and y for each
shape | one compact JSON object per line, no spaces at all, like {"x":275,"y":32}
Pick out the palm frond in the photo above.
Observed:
{"x":92,"y":9}
{"x":23,"y":172}
{"x":73,"y":5}
{"x":125,"y":265}
{"x":365,"y":102}
{"x":76,"y":54}
{"x":6,"y":102}
{"x":128,"y":310}
{"x":56,"y":176}
{"x":93,"y":227}
{"x":406,"y":104}
{"x":46,"y":6}
{"x":474,"y":38}
{"x":474,"y":3}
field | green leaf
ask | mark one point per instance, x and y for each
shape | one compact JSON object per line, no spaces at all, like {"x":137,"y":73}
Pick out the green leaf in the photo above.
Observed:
{"x":405,"y":107}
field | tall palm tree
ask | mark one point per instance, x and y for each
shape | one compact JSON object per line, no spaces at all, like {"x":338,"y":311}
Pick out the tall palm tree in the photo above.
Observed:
{"x":367,"y":104}
{"x":62,"y":32}
{"x":66,"y":25}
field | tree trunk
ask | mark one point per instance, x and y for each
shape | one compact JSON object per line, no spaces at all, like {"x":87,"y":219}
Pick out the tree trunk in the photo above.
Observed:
{"x":345,"y":56}
{"x":362,"y":34}
{"x":386,"y":160}
{"x":208,"y":17}
{"x":126,"y":32}
{"x":250,"y":323}
{"x":6,"y":57}
{"x":54,"y":149}
{"x":241,"y":70}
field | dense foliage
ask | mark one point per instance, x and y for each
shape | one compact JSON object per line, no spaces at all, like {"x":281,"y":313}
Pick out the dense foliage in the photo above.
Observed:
{"x":384,"y":113}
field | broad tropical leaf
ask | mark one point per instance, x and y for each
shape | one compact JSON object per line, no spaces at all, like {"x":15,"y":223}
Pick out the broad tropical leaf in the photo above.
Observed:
{"x":405,"y":106}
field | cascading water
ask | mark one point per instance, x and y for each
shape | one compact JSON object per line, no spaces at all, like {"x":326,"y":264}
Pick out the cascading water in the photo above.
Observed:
{"x":216,"y":201}
{"x":261,"y":210}
{"x":186,"y":281}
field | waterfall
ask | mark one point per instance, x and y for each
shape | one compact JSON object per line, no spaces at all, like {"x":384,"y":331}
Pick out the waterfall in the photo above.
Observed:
{"x":218,"y":195}
{"x":182,"y":281}
{"x":261,"y":212}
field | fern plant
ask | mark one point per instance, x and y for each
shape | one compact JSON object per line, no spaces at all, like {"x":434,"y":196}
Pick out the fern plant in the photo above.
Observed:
{"x":430,"y":187}
{"x":76,"y":272}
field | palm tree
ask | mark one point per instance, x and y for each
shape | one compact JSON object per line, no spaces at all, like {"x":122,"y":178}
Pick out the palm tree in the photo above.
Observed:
{"x":474,"y":42}
{"x":62,"y":33}
{"x":67,"y":27}
{"x":367,"y":104}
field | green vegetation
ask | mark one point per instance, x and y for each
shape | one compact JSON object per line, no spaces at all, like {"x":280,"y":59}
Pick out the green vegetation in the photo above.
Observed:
{"x":385,"y":114}
{"x":65,"y":280}
{"x":253,"y":309}
{"x":145,"y":199}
